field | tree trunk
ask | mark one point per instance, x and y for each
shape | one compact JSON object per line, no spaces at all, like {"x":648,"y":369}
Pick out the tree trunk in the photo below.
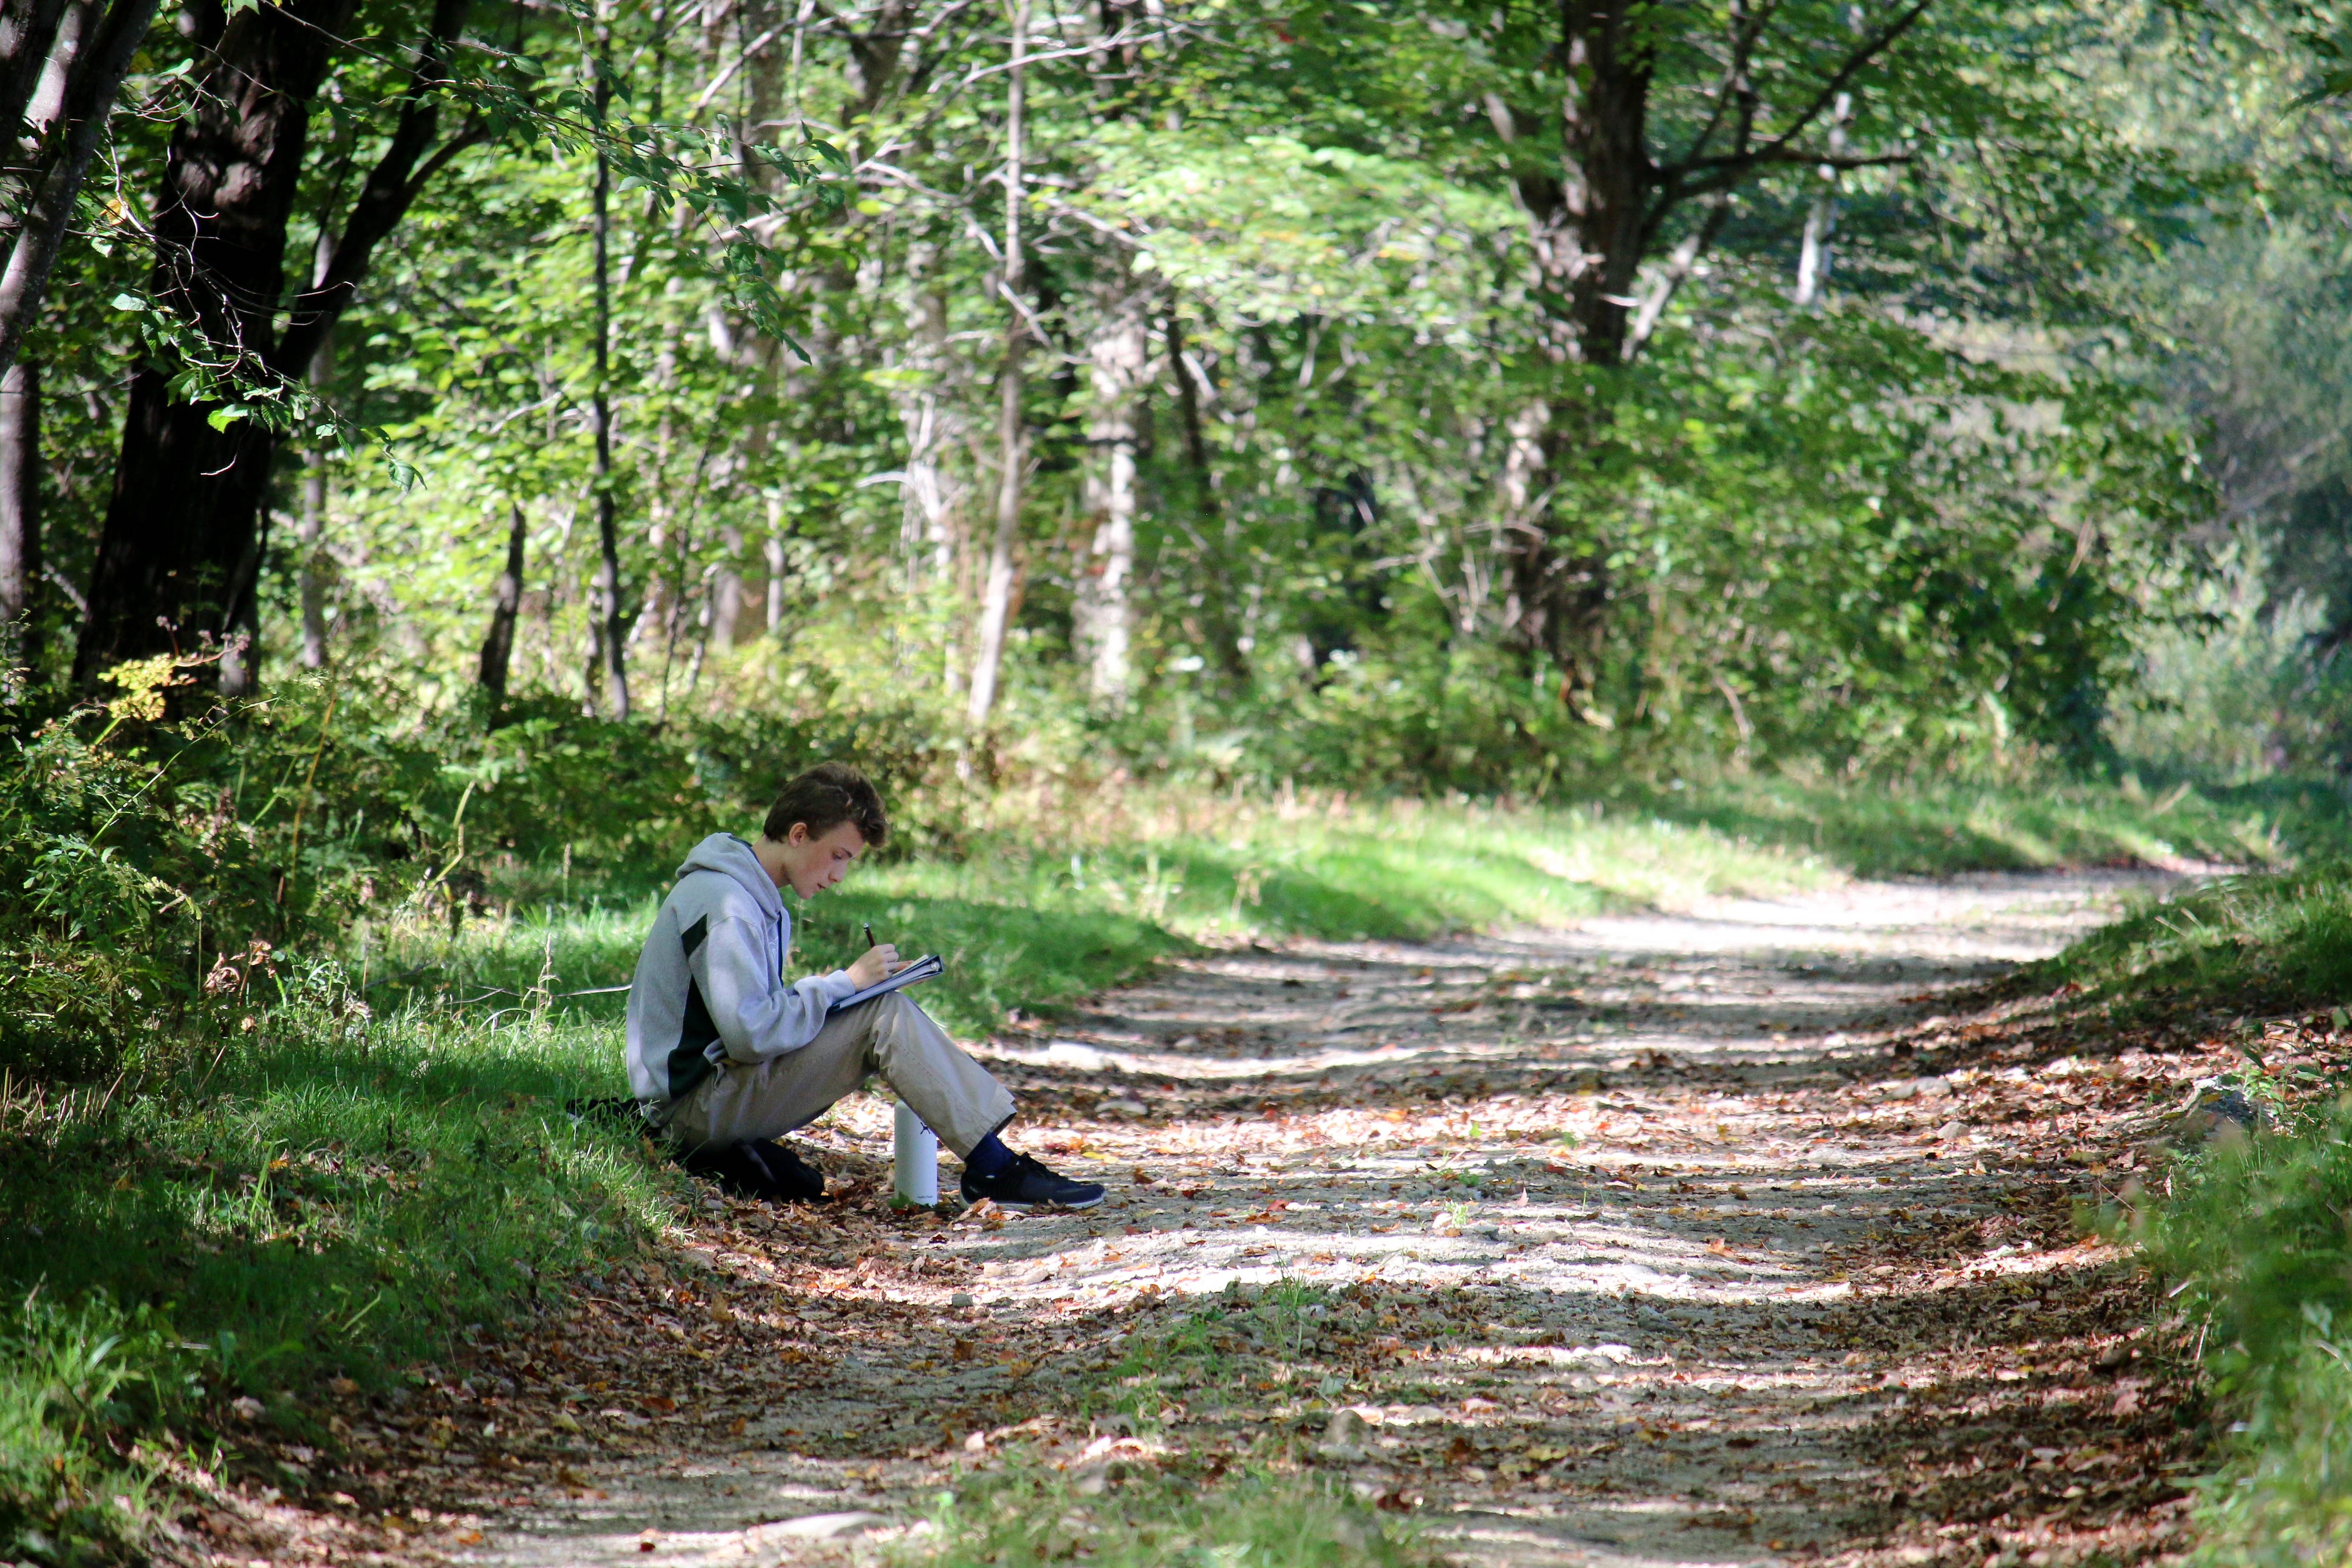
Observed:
{"x":506,"y":606}
{"x":179,"y":552}
{"x":1012,"y":433}
{"x":774,"y":551}
{"x":1216,"y":627}
{"x":1595,"y":217}
{"x":725,"y":612}
{"x":20,"y":508}
{"x":936,"y":494}
{"x":611,"y":623}
{"x":1813,"y":255}
{"x":29,"y":31}
{"x":1120,"y":349}
{"x":310,"y":569}
{"x":181,"y":549}
{"x":100,"y":58}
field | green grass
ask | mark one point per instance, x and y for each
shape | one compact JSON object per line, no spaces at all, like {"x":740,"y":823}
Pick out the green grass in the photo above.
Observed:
{"x":325,"y":1195}
{"x":2256,"y":1258}
{"x":2259,"y":943}
{"x":1932,"y":829}
{"x":2250,"y":1242}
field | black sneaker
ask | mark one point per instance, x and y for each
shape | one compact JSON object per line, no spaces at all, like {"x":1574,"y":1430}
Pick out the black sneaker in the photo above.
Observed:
{"x":1027,"y":1183}
{"x":763,"y":1170}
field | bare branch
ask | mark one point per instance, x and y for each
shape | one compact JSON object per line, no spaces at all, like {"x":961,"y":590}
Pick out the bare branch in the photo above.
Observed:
{"x":1779,"y":149}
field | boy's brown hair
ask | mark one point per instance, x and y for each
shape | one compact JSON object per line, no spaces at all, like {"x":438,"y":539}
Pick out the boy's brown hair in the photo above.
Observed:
{"x":825,"y":797}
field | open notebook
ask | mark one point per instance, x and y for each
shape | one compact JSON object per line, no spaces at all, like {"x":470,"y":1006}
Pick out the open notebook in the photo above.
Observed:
{"x":907,"y":974}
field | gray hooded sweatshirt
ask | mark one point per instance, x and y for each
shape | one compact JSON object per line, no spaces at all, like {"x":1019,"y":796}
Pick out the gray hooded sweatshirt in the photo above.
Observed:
{"x":709,"y":986}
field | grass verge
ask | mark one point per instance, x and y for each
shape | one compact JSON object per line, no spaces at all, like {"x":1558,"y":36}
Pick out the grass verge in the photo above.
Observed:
{"x":2251,"y":943}
{"x":1932,"y":829}
{"x":2250,"y":1241}
{"x":322,"y":1194}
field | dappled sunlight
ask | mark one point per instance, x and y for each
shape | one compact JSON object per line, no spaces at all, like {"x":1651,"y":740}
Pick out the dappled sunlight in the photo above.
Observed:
{"x":1594,"y":1250}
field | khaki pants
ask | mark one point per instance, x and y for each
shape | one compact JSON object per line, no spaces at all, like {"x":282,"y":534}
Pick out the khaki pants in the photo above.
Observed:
{"x":953,"y":1094}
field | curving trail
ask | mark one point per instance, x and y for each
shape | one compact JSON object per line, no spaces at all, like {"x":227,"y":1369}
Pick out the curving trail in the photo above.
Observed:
{"x":1654,"y":1241}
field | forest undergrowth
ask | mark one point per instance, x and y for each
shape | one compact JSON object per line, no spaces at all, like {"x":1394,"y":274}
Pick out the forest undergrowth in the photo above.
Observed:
{"x":293,"y":1006}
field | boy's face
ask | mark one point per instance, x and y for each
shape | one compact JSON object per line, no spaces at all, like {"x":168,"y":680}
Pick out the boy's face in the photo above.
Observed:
{"x":812,"y":864}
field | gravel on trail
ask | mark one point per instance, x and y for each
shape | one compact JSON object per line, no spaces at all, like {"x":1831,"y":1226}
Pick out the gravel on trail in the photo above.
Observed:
{"x":1742,"y":1234}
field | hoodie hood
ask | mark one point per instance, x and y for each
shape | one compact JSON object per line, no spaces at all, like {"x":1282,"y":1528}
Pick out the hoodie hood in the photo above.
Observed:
{"x":732,"y":856}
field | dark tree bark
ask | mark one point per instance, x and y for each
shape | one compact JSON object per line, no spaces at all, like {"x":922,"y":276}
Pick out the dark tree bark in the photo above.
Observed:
{"x":505,"y":605}
{"x":1607,"y":206}
{"x":610,"y":622}
{"x":101,"y":54}
{"x":1216,"y":623}
{"x":20,"y":500}
{"x":181,"y":549}
{"x":27,"y":33}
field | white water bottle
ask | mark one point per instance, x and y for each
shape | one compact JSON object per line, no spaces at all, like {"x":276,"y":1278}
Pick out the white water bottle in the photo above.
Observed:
{"x":914,"y":1161}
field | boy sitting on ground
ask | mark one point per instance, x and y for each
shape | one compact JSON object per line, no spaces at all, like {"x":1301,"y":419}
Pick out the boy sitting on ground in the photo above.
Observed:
{"x":728,"y":1057}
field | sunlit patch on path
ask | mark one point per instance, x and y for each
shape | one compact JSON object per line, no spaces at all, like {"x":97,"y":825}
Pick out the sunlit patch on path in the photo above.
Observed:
{"x":1639,"y":1243}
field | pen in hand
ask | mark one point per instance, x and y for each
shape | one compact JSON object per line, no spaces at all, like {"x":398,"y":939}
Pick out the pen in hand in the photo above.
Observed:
{"x":871,"y":944}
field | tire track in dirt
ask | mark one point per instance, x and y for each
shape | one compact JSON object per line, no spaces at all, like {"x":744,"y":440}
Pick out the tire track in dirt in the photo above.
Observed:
{"x":1646,"y":1242}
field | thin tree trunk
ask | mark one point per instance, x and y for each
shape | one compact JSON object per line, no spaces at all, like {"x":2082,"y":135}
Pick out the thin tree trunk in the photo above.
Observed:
{"x":309,"y":568}
{"x":773,"y":550}
{"x":1012,"y":435}
{"x":1216,"y":625}
{"x":725,"y":612}
{"x":20,"y":506}
{"x":506,"y":606}
{"x":37,"y":113}
{"x":937,"y":494}
{"x":1813,"y":256}
{"x":611,"y":625}
{"x":1119,"y":348}
{"x":95,"y":76}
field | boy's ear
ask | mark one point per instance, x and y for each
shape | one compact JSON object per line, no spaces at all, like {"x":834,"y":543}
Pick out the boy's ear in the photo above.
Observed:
{"x":797,"y":834}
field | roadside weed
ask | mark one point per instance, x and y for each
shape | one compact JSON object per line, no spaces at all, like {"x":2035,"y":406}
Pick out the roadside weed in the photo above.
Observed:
{"x":1127,"y":1515}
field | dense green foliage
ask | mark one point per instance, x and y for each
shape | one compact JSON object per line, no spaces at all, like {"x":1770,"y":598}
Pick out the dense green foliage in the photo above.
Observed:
{"x":1281,"y":323}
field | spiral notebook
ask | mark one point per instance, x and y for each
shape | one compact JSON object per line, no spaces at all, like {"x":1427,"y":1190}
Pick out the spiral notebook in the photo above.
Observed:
{"x":923,"y":968}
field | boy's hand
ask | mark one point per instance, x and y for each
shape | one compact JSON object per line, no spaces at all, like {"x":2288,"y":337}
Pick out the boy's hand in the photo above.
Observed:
{"x":877,"y":965}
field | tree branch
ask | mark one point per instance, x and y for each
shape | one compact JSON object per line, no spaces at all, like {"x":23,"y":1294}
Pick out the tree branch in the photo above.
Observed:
{"x":1734,"y":84}
{"x":96,"y":77}
{"x":1678,"y":269}
{"x":392,"y":188}
{"x":26,"y":38}
{"x":1778,"y":149}
{"x":1731,"y":172}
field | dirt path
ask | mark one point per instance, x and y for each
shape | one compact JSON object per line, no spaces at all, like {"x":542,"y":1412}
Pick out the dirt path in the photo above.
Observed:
{"x":1687,"y":1239}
